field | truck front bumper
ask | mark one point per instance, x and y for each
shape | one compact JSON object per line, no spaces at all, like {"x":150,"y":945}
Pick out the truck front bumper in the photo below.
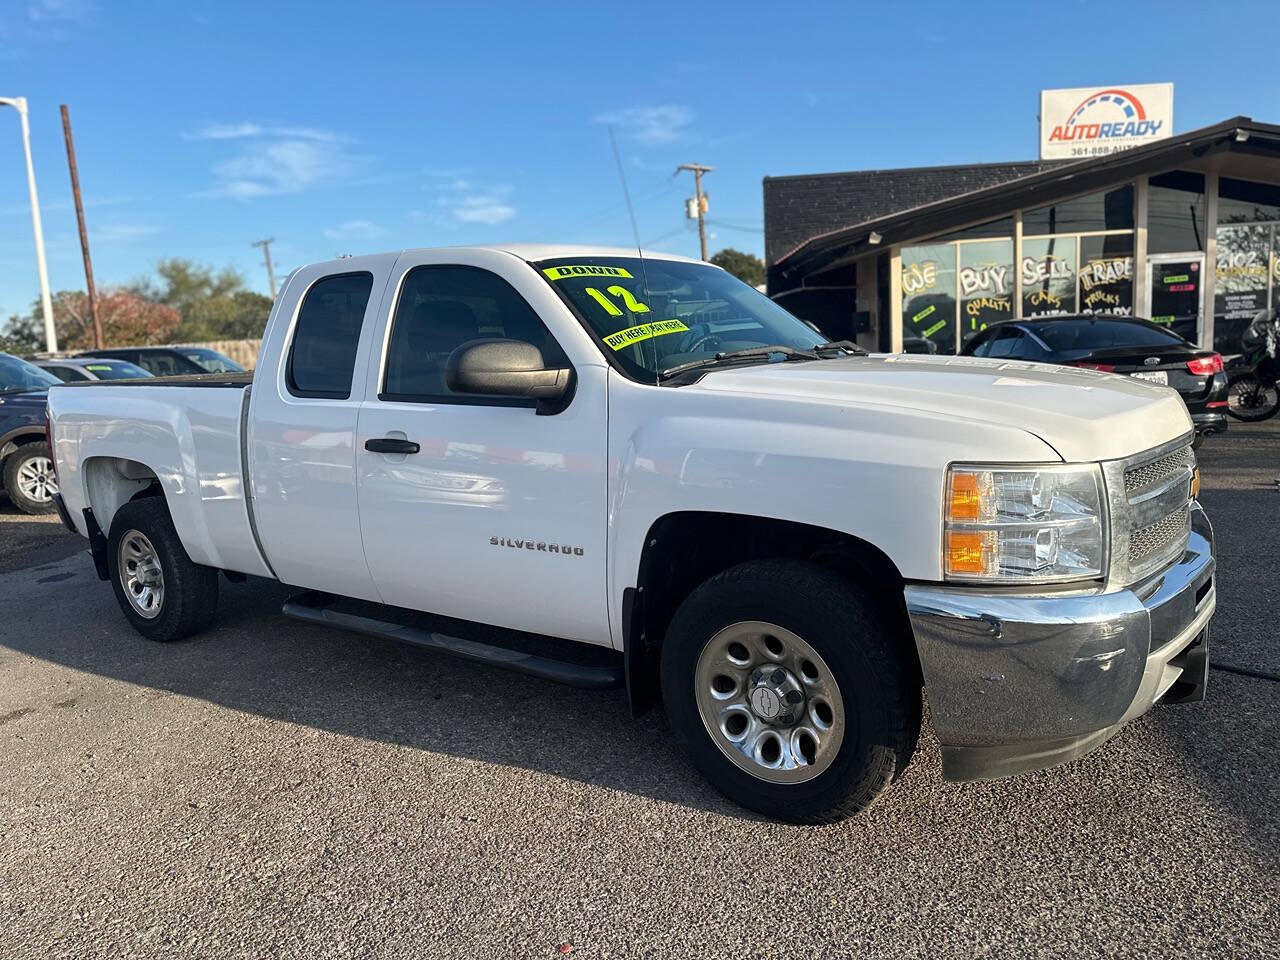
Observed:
{"x":1020,"y":682}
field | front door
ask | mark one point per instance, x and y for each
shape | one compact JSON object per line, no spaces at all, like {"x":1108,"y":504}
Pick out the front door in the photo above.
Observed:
{"x":1175,"y":292}
{"x":499,"y":516}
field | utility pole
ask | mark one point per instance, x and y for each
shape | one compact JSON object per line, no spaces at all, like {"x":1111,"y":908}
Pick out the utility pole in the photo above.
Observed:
{"x":84,"y":233}
{"x":50,"y":335}
{"x":698,"y":170}
{"x":266,"y":253}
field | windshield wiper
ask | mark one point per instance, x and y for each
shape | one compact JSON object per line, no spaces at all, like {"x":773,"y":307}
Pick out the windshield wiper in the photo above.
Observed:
{"x":749,"y":353}
{"x":843,"y":346}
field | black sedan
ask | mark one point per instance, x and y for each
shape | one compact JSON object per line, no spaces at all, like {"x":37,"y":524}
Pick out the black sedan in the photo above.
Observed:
{"x":1129,"y":346}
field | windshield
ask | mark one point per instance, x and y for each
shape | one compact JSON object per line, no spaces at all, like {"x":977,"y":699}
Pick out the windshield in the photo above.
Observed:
{"x":1091,"y":334}
{"x":211,"y":360}
{"x":115,"y":370}
{"x":18,"y":375}
{"x":660,"y":314}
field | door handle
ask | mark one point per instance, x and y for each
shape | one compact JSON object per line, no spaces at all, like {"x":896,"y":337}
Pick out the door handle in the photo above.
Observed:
{"x":390,"y":445}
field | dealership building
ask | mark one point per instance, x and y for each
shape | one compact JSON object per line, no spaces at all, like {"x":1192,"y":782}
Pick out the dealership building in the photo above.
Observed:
{"x":1183,"y":230}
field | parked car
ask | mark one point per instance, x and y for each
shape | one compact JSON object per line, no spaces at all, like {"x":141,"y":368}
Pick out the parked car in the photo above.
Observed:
{"x":25,"y":465}
{"x":172,"y":361}
{"x":73,"y":369}
{"x":1128,"y":346}
{"x":610,"y":471}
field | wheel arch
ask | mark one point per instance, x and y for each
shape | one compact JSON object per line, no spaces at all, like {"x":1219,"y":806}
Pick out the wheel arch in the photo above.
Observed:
{"x":111,"y":482}
{"x":685,"y":548}
{"x":14,"y":439}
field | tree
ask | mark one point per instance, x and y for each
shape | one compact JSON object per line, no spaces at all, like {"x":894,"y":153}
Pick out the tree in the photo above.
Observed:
{"x":212,"y":306}
{"x":746,"y":267}
{"x":127,"y":320}
{"x":22,"y":335}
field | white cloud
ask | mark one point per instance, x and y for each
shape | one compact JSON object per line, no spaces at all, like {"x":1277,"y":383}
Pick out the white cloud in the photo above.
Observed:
{"x":463,"y":201}
{"x":269,"y":167}
{"x":122,"y":233}
{"x":353,"y":230}
{"x":59,"y":11}
{"x":247,"y":130}
{"x":651,"y":125}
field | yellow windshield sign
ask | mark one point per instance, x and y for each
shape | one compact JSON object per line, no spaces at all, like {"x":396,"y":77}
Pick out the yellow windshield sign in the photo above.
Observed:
{"x":645,"y":331}
{"x":564,"y":273}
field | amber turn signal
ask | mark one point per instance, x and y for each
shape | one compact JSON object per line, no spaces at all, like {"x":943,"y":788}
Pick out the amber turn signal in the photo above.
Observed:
{"x":967,"y":550}
{"x":966,"y":497}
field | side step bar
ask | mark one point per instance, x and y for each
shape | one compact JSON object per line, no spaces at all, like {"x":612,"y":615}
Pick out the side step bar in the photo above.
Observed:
{"x":520,"y":652}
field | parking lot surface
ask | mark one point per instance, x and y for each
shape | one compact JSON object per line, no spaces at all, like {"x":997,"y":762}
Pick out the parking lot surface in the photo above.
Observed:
{"x":275,"y":789}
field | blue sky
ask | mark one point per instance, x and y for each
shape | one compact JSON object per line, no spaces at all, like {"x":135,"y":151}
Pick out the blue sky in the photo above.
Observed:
{"x":349,"y":128}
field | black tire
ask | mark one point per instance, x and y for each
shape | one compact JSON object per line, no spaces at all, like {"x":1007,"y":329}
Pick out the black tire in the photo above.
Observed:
{"x":190,"y":591}
{"x":879,"y":685}
{"x":13,"y":485}
{"x":1249,"y":400}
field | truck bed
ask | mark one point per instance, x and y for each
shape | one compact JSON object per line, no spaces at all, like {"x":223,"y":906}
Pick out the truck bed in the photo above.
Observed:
{"x":223,"y":380}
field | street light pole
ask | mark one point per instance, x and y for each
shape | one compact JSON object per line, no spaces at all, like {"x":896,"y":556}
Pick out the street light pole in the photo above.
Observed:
{"x":50,"y":335}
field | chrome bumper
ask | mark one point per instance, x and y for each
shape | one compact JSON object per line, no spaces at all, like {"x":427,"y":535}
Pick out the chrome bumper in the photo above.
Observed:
{"x":1019,"y":682}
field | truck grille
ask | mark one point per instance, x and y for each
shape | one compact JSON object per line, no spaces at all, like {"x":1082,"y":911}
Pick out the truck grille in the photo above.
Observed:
{"x":1149,"y":495}
{"x":1157,"y":537}
{"x":1157,"y":470}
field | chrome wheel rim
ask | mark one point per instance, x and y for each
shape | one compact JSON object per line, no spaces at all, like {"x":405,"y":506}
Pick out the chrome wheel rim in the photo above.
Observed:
{"x":141,"y":574}
{"x":770,"y":702}
{"x":36,"y":479}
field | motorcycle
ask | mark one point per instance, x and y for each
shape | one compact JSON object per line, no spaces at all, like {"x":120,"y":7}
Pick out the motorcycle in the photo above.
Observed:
{"x":1253,"y":380}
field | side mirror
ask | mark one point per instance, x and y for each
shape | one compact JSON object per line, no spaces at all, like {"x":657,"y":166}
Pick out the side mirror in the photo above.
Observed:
{"x":506,"y":368}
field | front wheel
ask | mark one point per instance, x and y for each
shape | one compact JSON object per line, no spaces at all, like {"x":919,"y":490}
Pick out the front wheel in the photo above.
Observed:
{"x":163,"y":593}
{"x":788,"y":692}
{"x":1251,"y":399}
{"x":29,"y":479}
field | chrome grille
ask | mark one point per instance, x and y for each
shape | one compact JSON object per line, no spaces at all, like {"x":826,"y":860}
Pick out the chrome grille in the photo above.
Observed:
{"x":1157,"y":470}
{"x":1149,"y":496}
{"x":1158,"y":537}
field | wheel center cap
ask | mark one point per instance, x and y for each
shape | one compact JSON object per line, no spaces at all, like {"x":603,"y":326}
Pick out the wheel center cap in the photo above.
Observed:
{"x":776,"y":695}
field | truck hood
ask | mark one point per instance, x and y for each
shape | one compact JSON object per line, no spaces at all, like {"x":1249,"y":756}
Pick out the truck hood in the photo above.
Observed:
{"x":1083,"y":414}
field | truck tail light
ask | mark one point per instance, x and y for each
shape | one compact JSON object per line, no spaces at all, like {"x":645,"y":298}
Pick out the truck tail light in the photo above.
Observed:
{"x":1206,"y":366}
{"x":1104,"y":367}
{"x":48,"y":440}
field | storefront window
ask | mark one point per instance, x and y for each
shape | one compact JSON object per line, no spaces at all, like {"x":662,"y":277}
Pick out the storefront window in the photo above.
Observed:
{"x":1246,"y":267}
{"x":995,"y":228}
{"x":1106,"y":274}
{"x":1112,"y":210}
{"x":929,"y":298}
{"x":986,"y":284}
{"x":1175,"y":213}
{"x":1048,"y":276}
{"x":1242,"y":201}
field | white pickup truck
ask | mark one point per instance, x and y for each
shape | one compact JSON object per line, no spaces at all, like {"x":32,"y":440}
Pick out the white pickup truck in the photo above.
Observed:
{"x":610,"y":469}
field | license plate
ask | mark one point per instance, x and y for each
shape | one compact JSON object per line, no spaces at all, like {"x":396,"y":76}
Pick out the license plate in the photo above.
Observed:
{"x":1155,"y":376}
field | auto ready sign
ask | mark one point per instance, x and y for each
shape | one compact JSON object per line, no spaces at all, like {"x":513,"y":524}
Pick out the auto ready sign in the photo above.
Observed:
{"x":1091,"y":121}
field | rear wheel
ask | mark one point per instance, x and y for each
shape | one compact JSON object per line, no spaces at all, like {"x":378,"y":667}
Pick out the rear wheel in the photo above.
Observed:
{"x":29,"y":478}
{"x":163,"y":593}
{"x":1250,"y":399}
{"x":788,"y":692}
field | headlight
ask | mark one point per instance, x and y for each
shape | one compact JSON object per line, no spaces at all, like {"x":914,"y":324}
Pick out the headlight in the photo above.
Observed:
{"x":1023,"y":525}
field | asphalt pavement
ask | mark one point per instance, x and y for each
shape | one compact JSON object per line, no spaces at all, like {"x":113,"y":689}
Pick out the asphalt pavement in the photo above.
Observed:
{"x":274,"y":789}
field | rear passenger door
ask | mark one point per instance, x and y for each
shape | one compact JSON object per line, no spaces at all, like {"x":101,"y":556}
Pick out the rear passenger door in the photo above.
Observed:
{"x":302,"y":427}
{"x":500,"y":514}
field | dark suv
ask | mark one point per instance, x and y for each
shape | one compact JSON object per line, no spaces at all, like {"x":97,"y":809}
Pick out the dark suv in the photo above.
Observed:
{"x":25,"y":462}
{"x":172,"y":361}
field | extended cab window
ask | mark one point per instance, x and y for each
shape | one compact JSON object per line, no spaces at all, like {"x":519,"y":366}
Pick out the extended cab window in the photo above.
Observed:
{"x":323,"y":354}
{"x":440,"y":309}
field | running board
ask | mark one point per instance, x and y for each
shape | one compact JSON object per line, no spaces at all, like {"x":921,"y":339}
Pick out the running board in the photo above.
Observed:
{"x":576,"y":664}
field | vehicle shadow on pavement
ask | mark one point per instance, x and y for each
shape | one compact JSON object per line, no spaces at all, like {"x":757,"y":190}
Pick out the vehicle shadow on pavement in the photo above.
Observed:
{"x":27,"y":540}
{"x":256,"y":660}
